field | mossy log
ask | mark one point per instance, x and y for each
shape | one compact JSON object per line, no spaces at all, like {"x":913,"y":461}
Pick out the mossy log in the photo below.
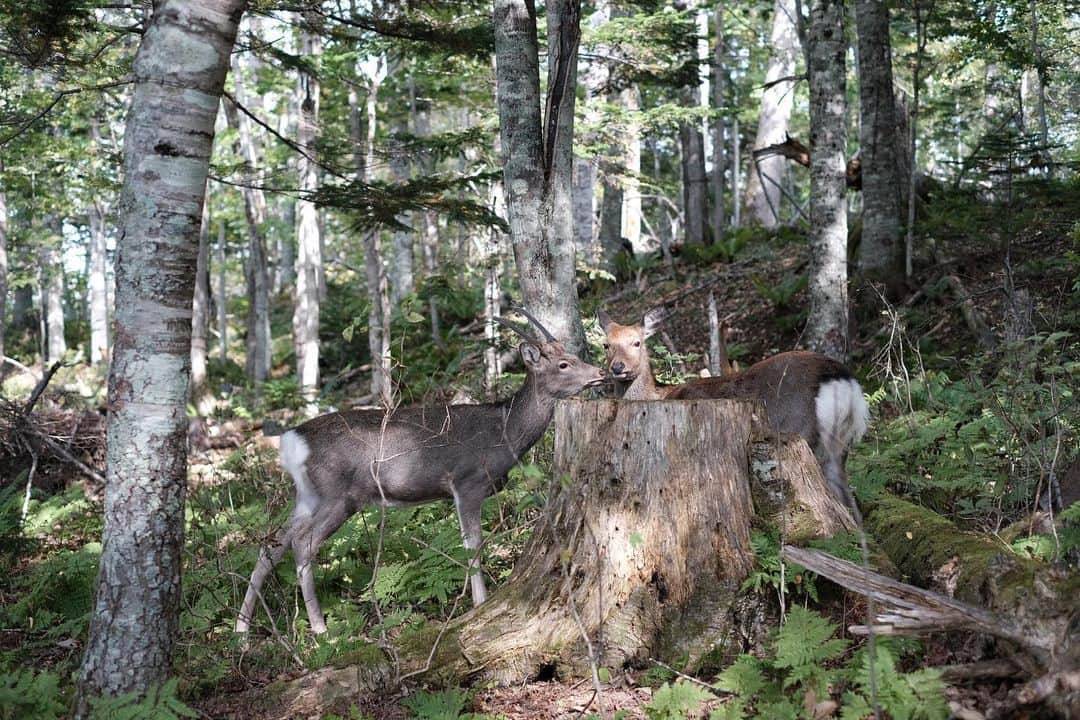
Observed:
{"x":640,"y":552}
{"x":976,"y":583}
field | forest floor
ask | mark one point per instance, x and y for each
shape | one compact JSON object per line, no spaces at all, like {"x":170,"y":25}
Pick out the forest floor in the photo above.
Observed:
{"x":1033,"y":247}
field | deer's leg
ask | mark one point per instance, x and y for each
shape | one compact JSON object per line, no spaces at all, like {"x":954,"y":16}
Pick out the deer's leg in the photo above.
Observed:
{"x":468,"y":509}
{"x":322,"y":525}
{"x":269,"y":556}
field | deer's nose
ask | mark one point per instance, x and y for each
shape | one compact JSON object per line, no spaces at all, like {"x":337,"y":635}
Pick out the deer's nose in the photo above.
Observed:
{"x":617,"y":368}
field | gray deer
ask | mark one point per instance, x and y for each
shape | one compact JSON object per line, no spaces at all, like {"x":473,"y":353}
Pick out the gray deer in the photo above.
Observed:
{"x":342,"y":461}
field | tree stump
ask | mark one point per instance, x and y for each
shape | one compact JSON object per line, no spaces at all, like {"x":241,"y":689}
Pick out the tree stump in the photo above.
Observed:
{"x":642,"y":548}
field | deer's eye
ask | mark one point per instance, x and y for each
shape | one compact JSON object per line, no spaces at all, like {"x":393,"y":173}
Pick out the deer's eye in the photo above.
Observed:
{"x":637,"y":343}
{"x":606,"y":346}
{"x":563,"y":365}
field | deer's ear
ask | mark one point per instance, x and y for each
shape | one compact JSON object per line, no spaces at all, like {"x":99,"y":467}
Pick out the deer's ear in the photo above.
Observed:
{"x":529,"y":353}
{"x":604,"y":319}
{"x":652,"y":321}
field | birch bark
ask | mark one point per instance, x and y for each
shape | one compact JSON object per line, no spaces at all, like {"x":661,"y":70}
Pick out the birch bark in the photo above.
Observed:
{"x":308,"y":244}
{"x":826,"y":328}
{"x":179,"y":73}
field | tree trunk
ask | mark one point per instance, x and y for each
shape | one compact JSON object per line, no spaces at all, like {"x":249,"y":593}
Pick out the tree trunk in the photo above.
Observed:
{"x":1040,"y":67}
{"x":695,"y":200}
{"x":827,"y":325}
{"x":719,"y":180}
{"x":52,"y":295}
{"x":611,"y":204}
{"x":305,"y":320}
{"x":538,"y":158}
{"x":378,"y":286}
{"x":167,"y":143}
{"x":642,"y":551}
{"x":257,"y":362}
{"x":3,"y":265}
{"x":881,"y":252}
{"x":401,"y":261}
{"x":631,"y":183}
{"x":201,"y":397}
{"x":98,"y":299}
{"x":762,"y":202}
{"x":220,"y":295}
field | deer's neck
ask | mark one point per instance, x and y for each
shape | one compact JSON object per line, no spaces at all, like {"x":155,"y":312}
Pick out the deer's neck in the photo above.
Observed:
{"x":528,"y":414}
{"x":643,"y":387}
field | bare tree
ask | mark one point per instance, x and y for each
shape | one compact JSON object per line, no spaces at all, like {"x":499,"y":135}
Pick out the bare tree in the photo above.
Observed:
{"x":881,"y":252}
{"x":762,"y":201}
{"x":538,"y":157}
{"x":51,"y":273}
{"x":719,"y":89}
{"x":220,"y":294}
{"x":826,"y":328}
{"x":167,"y":143}
{"x":97,"y":277}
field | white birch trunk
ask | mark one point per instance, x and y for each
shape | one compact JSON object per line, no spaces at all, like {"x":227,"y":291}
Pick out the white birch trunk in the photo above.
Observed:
{"x":378,"y":285}
{"x":826,"y":329}
{"x":179,"y":73}
{"x":538,"y":158}
{"x":762,"y":202}
{"x":401,"y":261}
{"x":97,"y":288}
{"x":631,"y":183}
{"x":52,"y":296}
{"x":308,"y":244}
{"x":200,"y":319}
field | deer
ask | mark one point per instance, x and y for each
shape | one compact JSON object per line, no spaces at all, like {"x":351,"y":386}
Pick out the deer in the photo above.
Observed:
{"x":341,"y":462}
{"x":803,"y":392}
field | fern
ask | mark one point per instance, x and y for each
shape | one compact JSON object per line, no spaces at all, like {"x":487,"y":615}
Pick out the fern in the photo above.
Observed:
{"x":26,"y":694}
{"x":445,"y":705}
{"x":159,"y":703}
{"x":803,"y":645}
{"x":676,"y":702}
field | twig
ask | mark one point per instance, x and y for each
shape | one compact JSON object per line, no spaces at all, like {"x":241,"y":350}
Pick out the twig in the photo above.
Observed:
{"x":29,"y":485}
{"x":711,"y":688}
{"x":40,"y":387}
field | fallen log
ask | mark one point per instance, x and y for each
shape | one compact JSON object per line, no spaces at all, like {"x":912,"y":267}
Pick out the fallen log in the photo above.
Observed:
{"x":977,"y":584}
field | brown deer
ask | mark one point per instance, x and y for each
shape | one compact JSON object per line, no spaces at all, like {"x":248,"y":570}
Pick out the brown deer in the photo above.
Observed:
{"x":803,"y":392}
{"x":343,"y":461}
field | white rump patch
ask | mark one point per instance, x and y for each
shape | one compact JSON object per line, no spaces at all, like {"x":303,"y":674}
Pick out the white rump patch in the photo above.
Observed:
{"x":294,"y":455}
{"x":842,"y":414}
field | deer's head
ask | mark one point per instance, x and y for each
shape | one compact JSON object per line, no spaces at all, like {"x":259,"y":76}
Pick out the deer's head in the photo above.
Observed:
{"x":627,"y":355}
{"x":556,"y":372}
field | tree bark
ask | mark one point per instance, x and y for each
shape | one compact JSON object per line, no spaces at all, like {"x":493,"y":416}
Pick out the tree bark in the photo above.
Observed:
{"x":538,"y":158}
{"x":52,"y":295}
{"x":719,"y":89}
{"x":695,"y":184}
{"x":401,"y":261}
{"x":3,"y":264}
{"x":378,"y":285}
{"x":305,"y":322}
{"x":201,"y":397}
{"x":98,"y":299}
{"x":762,"y":202}
{"x":881,"y":252}
{"x":179,"y":73}
{"x":256,"y":273}
{"x":220,"y":295}
{"x":827,"y":325}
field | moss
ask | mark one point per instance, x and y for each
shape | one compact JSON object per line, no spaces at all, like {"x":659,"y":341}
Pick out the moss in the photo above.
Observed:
{"x":919,"y":541}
